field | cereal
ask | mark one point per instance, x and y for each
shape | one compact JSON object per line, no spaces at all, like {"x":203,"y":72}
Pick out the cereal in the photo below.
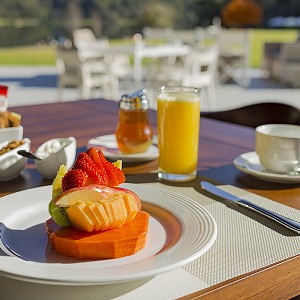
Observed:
{"x":11,"y":146}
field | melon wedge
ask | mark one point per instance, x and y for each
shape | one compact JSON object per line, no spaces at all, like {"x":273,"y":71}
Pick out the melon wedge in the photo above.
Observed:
{"x":98,"y":208}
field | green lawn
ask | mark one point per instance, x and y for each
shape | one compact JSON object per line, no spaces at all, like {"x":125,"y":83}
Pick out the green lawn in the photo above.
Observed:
{"x":45,"y":55}
{"x":27,"y":55}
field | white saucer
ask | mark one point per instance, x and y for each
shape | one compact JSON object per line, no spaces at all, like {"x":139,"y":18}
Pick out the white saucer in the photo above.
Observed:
{"x":249,"y":163}
{"x":108,"y":145}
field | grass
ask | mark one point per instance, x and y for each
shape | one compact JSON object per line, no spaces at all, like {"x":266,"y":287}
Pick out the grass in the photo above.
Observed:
{"x":45,"y":55}
{"x":28,"y":55}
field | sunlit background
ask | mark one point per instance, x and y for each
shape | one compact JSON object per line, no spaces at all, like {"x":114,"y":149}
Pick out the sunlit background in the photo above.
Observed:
{"x":31,"y":32}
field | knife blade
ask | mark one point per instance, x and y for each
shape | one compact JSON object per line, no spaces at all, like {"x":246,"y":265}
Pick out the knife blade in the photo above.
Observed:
{"x":287,"y":222}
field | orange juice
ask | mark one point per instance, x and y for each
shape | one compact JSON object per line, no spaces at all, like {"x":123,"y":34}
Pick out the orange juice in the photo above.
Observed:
{"x":178,"y":132}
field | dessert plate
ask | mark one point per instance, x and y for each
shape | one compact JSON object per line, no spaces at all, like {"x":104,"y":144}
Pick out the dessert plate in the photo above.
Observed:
{"x":108,"y":145}
{"x":180,"y":231}
{"x":249,"y":163}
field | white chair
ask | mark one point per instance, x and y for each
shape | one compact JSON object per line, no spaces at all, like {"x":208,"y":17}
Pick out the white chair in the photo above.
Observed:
{"x":286,"y":68}
{"x":69,"y":70}
{"x":84,"y":35}
{"x":96,"y":73}
{"x":200,"y":69}
{"x":234,"y":56}
{"x":101,"y":64}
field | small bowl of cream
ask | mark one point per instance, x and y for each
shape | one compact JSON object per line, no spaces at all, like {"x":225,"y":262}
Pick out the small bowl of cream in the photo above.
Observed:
{"x":53,"y":153}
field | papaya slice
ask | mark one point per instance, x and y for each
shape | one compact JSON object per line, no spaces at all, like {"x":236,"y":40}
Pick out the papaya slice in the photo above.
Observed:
{"x":115,"y":243}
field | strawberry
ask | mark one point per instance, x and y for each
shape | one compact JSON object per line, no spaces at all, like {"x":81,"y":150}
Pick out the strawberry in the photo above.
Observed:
{"x":92,"y":168}
{"x":74,"y":178}
{"x":115,"y":175}
{"x":101,"y":162}
{"x":120,"y":175}
{"x":109,"y":168}
{"x":95,"y":175}
{"x":93,"y":154}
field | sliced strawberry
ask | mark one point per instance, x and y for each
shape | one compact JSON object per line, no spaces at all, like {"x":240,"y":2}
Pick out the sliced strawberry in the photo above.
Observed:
{"x":85,"y":163}
{"x":74,"y":178}
{"x":120,"y":175}
{"x":99,"y":159}
{"x":111,"y":174}
{"x":115,"y":175}
{"x":93,"y":154}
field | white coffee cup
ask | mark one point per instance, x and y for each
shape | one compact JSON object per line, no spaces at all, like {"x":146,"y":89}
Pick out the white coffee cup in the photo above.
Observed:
{"x":278,"y":147}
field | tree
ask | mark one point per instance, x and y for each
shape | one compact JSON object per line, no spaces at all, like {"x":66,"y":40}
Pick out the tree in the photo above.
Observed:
{"x":25,"y":9}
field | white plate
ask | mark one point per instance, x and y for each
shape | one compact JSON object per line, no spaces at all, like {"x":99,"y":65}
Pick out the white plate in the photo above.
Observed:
{"x":249,"y":163}
{"x":180,"y":231}
{"x":109,"y":147}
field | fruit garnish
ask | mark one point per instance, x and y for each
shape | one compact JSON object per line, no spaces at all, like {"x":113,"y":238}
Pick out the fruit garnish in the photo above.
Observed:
{"x":90,"y":169}
{"x":96,"y":174}
{"x":59,"y":215}
{"x":74,"y":178}
{"x":99,"y":208}
{"x":97,"y":169}
{"x":56,"y":185}
{"x":118,"y":164}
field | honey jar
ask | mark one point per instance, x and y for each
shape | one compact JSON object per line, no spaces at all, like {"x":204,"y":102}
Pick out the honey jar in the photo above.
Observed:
{"x":133,"y":132}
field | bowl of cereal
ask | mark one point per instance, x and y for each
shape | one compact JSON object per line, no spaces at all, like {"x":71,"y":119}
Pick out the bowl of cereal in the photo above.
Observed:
{"x":11,"y":163}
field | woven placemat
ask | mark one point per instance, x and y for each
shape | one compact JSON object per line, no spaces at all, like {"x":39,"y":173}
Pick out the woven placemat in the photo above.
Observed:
{"x":246,"y":241}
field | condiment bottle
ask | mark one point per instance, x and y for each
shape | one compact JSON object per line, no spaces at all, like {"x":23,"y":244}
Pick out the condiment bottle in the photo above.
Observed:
{"x":133,"y":133}
{"x":3,"y":98}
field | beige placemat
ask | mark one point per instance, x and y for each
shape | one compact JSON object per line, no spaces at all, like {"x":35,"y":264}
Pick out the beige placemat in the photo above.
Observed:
{"x":246,"y":241}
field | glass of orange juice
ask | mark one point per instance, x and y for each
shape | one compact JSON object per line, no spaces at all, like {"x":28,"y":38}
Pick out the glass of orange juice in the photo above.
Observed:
{"x":178,"y":117}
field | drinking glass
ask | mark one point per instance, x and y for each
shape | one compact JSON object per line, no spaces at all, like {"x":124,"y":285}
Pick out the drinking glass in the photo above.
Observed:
{"x":178,"y":116}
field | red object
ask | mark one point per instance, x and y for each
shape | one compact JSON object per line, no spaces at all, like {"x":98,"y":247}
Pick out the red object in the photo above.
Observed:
{"x":95,"y":174}
{"x":3,"y":90}
{"x":74,"y":178}
{"x":96,"y":170}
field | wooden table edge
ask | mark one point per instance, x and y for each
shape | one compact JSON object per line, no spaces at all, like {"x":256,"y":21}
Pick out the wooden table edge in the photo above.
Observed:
{"x":243,"y":286}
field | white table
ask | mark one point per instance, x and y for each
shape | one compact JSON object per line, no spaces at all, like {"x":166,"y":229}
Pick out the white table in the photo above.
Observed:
{"x":140,"y":51}
{"x":166,"y":50}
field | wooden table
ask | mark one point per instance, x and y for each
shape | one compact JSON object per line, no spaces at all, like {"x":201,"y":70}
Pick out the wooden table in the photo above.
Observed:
{"x":220,"y":143}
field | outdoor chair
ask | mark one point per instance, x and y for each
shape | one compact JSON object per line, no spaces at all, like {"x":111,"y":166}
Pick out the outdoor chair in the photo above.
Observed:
{"x":84,"y":36}
{"x":200,"y":71}
{"x":86,"y":70}
{"x":69,"y":70}
{"x":96,"y":73}
{"x":99,"y":64}
{"x":286,"y":68}
{"x":258,"y":114}
{"x":234,"y":56}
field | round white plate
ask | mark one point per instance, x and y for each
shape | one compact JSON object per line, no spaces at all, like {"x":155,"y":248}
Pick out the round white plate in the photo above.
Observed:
{"x":180,"y":231}
{"x":249,"y":163}
{"x":108,"y":145}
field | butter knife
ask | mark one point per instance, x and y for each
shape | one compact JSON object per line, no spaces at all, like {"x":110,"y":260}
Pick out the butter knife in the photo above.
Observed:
{"x":291,"y":224}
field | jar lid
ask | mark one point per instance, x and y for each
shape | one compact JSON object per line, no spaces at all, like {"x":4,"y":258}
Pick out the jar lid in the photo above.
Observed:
{"x":3,"y":90}
{"x":134,"y":101}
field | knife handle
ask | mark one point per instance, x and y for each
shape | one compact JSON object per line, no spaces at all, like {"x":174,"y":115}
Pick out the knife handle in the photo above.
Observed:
{"x":277,"y":217}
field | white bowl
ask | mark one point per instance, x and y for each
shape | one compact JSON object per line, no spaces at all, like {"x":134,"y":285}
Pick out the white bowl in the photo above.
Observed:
{"x":278,"y":147}
{"x":11,"y":133}
{"x":11,"y":163}
{"x":54,"y":153}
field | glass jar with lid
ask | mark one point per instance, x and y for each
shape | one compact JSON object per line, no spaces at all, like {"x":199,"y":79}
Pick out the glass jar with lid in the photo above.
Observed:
{"x":133,"y":132}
